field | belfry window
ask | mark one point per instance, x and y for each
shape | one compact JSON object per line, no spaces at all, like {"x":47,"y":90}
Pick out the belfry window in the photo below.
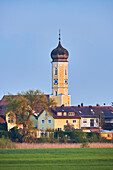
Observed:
{"x":55,"y":81}
{"x":65,"y":71}
{"x":55,"y":93}
{"x":66,"y":81}
{"x":56,"y":71}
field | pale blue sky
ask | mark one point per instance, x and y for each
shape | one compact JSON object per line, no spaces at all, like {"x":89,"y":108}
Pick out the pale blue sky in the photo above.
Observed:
{"x":29,"y":32}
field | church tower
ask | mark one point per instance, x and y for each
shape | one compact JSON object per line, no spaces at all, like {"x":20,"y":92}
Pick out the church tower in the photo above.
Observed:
{"x":60,"y":75}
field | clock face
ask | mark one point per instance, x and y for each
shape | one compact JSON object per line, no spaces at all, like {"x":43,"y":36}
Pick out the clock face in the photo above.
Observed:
{"x":55,"y":81}
{"x":66,"y":81}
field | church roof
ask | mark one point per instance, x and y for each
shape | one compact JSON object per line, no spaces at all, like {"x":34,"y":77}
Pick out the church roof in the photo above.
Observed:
{"x":59,"y":53}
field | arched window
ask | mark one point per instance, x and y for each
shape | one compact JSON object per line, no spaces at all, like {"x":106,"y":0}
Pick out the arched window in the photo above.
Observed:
{"x":56,"y":71}
{"x":55,"y":93}
{"x":65,"y":71}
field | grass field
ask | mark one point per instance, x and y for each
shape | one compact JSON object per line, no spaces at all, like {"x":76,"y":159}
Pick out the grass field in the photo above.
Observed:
{"x":57,"y":159}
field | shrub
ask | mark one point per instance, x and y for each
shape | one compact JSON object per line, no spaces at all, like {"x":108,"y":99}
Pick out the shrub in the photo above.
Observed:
{"x":85,"y":145}
{"x":6,"y":143}
{"x":3,"y":126}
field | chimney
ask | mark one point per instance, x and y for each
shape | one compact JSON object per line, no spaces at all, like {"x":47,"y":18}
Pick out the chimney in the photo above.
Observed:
{"x":81,"y":104}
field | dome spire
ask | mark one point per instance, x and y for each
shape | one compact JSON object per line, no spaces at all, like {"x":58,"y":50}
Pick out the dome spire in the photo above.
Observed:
{"x":59,"y":53}
{"x":59,"y":35}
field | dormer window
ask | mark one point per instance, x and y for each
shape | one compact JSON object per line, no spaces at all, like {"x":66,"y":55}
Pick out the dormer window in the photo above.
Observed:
{"x":71,"y":114}
{"x":64,"y":114}
{"x":59,"y":113}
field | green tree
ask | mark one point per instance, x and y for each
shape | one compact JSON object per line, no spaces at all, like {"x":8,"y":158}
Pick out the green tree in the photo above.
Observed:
{"x":25,"y":104}
{"x":69,"y":127}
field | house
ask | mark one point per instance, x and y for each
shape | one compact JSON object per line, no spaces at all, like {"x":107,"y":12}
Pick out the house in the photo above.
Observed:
{"x":107,"y":134}
{"x":12,"y":121}
{"x":57,"y":119}
{"x":87,"y":118}
{"x":2,"y":111}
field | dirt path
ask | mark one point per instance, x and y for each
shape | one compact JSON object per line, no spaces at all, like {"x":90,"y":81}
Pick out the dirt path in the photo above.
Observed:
{"x":63,"y":145}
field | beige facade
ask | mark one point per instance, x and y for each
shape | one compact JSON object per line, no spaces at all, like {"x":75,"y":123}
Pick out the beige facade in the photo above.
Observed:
{"x":60,"y":83}
{"x":60,"y":78}
{"x":57,"y":121}
{"x":62,"y":99}
{"x":59,"y":57}
{"x":45,"y":121}
{"x":60,"y":123}
{"x":89,"y":122}
{"x":11,"y":121}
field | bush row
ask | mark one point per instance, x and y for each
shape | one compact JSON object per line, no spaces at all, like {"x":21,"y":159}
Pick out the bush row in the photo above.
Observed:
{"x":78,"y":136}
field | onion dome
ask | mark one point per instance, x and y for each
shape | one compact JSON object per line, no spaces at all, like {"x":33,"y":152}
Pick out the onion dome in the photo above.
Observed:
{"x":59,"y":53}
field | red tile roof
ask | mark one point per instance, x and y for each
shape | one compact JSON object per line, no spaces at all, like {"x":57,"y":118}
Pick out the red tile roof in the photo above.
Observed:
{"x":2,"y":120}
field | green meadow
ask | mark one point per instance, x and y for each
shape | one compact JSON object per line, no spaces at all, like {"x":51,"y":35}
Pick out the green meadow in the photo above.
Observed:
{"x":56,"y":159}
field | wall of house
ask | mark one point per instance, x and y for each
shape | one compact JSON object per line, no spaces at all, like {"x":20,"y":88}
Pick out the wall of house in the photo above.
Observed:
{"x":11,"y":121}
{"x":85,"y":122}
{"x":34,"y":121}
{"x":108,"y":136}
{"x":46,"y":116}
{"x":59,"y":123}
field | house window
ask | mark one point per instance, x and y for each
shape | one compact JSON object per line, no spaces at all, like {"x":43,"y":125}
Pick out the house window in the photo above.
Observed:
{"x":71,"y":114}
{"x":42,"y":121}
{"x":66,"y":121}
{"x":59,"y":129}
{"x":64,"y":114}
{"x":74,"y":121}
{"x":45,"y":114}
{"x":49,"y":121}
{"x":59,"y":113}
{"x":56,"y":71}
{"x":84,"y":121}
{"x":96,"y":120}
{"x":10,"y":120}
{"x":92,"y":122}
{"x":42,"y":128}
